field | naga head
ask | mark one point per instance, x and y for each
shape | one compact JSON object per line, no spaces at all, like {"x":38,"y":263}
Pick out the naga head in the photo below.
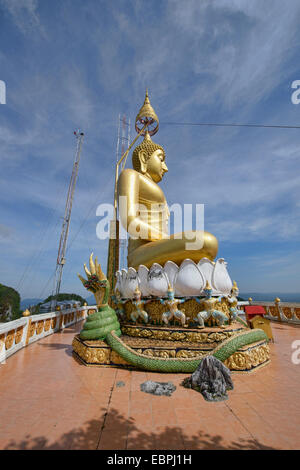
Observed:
{"x":96,"y":281}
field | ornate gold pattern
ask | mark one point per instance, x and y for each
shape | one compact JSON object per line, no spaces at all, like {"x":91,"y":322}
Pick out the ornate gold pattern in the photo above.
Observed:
{"x":9,"y":340}
{"x":39,"y":327}
{"x":53,"y":323}
{"x":47,"y":325}
{"x":97,"y":353}
{"x":287,"y":311}
{"x":19,"y":334}
{"x":297,"y":312}
{"x":273,"y":311}
{"x":91,"y":355}
{"x":32,"y":329}
{"x":245,"y":360}
{"x":189,"y":336}
{"x":190,"y":307}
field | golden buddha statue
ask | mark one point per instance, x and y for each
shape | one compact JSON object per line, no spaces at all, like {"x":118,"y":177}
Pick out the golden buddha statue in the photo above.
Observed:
{"x":145,"y":212}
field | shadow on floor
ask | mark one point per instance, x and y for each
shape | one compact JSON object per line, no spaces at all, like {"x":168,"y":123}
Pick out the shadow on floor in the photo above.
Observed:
{"x":58,"y":346}
{"x":112,"y":435}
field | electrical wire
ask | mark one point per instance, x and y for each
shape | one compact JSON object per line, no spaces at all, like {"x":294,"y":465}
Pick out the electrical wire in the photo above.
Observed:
{"x":214,"y":124}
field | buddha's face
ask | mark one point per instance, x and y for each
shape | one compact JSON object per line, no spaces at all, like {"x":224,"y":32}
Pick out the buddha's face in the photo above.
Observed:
{"x":155,"y":166}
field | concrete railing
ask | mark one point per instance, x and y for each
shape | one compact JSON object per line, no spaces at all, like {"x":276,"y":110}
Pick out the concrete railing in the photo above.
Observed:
{"x":17,"y":334}
{"x":288,"y":312}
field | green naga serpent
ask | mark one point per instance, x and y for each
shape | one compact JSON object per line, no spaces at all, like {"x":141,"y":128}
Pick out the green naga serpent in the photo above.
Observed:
{"x":104,"y":325}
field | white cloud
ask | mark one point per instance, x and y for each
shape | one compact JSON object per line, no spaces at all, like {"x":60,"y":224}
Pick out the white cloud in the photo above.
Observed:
{"x":24,"y":14}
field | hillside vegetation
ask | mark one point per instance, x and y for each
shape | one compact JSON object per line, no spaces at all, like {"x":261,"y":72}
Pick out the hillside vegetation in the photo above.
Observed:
{"x":9,"y":304}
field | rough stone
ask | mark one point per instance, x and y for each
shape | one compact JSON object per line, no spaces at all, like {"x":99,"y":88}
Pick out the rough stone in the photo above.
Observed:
{"x":120,"y":384}
{"x":212,"y":379}
{"x":158,"y":388}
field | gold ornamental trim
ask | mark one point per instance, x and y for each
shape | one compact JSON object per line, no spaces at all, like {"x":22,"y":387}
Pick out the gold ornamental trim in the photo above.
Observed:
{"x":209,"y":336}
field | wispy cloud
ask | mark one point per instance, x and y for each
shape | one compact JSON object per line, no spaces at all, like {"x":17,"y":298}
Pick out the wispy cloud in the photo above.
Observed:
{"x":211,"y":61}
{"x":24,"y":14}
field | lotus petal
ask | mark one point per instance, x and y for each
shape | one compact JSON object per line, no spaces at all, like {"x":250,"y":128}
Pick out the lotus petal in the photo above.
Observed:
{"x":220,"y":278}
{"x":118,"y":285}
{"x":171,"y":269}
{"x":157,"y":281}
{"x":123,"y":282}
{"x":206,"y":267}
{"x":131,"y":282}
{"x":143,"y":278}
{"x":189,"y":280}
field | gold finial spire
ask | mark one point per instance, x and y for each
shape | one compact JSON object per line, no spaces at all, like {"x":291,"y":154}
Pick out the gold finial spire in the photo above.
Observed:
{"x":147,"y":115}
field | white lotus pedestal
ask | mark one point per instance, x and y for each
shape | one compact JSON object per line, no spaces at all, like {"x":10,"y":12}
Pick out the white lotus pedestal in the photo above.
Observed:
{"x":188,"y":279}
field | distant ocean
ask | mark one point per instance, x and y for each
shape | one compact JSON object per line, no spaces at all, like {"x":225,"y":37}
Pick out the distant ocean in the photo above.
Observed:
{"x":269,"y":297}
{"x":256,"y":296}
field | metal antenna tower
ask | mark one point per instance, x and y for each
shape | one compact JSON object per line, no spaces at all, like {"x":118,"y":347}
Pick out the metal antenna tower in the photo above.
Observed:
{"x":61,"y":260}
{"x":123,"y":139}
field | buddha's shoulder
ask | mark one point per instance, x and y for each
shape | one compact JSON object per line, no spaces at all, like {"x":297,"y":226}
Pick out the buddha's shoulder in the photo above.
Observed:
{"x":129,"y":173}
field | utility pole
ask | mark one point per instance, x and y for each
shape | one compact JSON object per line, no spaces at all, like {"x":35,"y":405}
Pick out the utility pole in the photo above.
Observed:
{"x":61,"y":260}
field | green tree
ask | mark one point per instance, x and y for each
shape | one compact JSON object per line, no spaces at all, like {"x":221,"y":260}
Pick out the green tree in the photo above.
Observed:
{"x":66,"y":296}
{"x":9,"y":301}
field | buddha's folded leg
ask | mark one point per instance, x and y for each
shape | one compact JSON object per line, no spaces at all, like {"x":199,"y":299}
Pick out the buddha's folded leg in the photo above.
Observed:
{"x":204,"y":244}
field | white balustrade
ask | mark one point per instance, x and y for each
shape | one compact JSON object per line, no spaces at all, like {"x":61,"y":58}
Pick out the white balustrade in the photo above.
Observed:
{"x":17,"y":334}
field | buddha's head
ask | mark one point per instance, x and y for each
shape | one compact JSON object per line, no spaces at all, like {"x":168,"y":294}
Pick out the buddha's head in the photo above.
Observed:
{"x":148,"y":158}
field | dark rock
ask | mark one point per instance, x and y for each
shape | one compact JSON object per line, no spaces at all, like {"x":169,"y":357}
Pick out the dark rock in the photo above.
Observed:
{"x":120,"y":384}
{"x":211,"y":378}
{"x":158,"y":388}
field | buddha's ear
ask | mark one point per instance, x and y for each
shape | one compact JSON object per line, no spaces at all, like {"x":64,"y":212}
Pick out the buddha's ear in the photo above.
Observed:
{"x":143,"y":161}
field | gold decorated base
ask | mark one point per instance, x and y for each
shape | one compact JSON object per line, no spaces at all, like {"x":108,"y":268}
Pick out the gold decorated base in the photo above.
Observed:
{"x":172,"y":343}
{"x":189,"y":307}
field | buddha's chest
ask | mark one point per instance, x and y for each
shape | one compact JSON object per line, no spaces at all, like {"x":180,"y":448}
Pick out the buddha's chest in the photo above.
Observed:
{"x":150,"y":192}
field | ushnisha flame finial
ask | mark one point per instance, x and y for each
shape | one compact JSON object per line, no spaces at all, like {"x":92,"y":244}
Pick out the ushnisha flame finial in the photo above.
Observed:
{"x":147,"y":115}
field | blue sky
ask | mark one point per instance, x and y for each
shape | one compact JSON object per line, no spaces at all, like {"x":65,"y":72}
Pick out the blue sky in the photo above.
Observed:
{"x":70,"y":64}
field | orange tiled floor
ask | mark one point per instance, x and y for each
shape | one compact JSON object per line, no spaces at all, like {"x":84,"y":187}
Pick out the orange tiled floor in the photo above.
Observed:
{"x":49,"y":401}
